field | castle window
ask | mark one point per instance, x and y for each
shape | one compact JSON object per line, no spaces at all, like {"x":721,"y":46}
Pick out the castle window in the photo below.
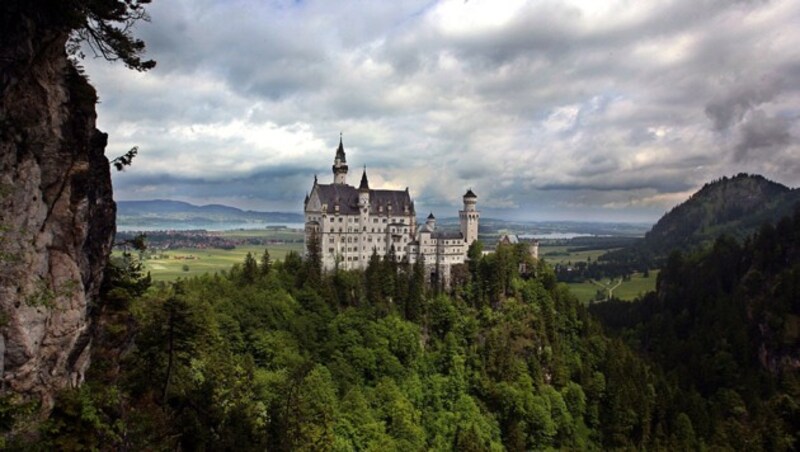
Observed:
{"x":340,"y":219}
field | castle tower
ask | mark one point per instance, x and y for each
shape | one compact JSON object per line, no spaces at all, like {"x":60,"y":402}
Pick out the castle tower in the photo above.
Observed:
{"x":469,"y":217}
{"x":363,"y":191}
{"x":431,"y":222}
{"x":340,"y":165}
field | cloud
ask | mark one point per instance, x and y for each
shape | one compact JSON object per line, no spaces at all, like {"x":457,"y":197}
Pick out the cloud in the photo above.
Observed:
{"x":762,"y":135}
{"x":730,"y":107}
{"x":548,"y":109}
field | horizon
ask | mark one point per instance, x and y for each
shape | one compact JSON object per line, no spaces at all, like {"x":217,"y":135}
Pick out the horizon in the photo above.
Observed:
{"x":556,"y":110}
{"x":421,"y":216}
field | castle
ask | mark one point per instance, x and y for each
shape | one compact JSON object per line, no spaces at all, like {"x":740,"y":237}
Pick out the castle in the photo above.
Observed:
{"x":351,"y":223}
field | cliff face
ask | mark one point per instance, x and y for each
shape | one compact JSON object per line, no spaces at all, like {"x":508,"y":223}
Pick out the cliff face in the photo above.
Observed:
{"x":56,"y":211}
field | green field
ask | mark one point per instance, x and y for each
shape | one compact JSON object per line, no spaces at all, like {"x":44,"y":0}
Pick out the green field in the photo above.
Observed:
{"x":560,"y":254}
{"x":170,"y":264}
{"x":184,"y":262}
{"x":624,"y":290}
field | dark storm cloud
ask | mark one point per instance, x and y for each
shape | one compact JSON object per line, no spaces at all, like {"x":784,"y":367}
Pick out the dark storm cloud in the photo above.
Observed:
{"x":761,"y":136}
{"x":730,"y":107}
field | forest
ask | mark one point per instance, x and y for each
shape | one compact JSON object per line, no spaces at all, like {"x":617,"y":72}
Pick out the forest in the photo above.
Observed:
{"x":281,"y":356}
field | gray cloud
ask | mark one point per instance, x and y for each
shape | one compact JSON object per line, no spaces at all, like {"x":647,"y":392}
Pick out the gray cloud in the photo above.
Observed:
{"x":762,"y":135}
{"x":730,"y":108}
{"x":552,"y":108}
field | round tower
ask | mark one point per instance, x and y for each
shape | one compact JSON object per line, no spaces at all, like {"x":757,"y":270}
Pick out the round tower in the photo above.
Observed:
{"x":340,"y":165}
{"x":469,"y":217}
{"x":431,"y":222}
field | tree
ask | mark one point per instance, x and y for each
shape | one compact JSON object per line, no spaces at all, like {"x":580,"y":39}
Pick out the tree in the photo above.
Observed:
{"x":416,"y":291}
{"x":265,"y":263}
{"x":314,"y":259}
{"x":250,"y":269}
{"x":106,"y":26}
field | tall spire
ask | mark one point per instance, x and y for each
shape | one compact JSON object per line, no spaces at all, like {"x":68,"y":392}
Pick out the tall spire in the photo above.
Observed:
{"x":340,"y":151}
{"x":340,"y":165}
{"x":364,"y":182}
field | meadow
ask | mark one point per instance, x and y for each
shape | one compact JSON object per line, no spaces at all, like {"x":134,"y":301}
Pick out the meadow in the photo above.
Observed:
{"x":628,"y":290}
{"x":177,"y":263}
{"x":637,"y":285}
{"x":562,"y":254}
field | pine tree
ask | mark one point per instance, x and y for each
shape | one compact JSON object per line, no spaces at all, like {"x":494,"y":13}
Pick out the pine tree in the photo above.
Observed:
{"x":266,"y":264}
{"x":250,"y":269}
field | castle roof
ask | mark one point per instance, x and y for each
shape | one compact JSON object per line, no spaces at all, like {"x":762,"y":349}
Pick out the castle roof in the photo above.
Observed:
{"x":509,"y":238}
{"x":346,"y":196}
{"x":364,"y":182}
{"x":447,"y":235}
{"x":431,"y":217}
{"x":470,"y":194}
{"x":340,"y":151}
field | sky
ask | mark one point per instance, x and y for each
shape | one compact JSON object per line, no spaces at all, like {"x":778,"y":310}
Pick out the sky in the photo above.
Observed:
{"x":577,"y":110}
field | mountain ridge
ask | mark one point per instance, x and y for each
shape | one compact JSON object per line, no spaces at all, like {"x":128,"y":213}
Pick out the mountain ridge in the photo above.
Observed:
{"x":735,"y":206}
{"x":163,"y":211}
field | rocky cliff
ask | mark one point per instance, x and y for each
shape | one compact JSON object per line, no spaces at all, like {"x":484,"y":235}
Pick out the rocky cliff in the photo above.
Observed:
{"x":56,"y":211}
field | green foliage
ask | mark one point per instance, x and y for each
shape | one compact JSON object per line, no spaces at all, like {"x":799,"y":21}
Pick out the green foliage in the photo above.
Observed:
{"x":126,"y":159}
{"x":722,"y":327}
{"x":287,"y":359}
{"x":106,"y":26}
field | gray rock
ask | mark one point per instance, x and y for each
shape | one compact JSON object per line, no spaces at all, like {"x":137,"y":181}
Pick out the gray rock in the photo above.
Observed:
{"x":56,"y":213}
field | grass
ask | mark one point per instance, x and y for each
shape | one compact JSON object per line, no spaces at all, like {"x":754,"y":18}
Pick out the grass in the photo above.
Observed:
{"x":560,"y":254}
{"x":626,"y":290}
{"x":638,"y":285}
{"x":170,"y":264}
{"x":585,"y":291}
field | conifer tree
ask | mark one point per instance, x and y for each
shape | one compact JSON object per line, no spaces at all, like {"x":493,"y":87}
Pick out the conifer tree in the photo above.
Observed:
{"x":250,"y":269}
{"x":266,"y":264}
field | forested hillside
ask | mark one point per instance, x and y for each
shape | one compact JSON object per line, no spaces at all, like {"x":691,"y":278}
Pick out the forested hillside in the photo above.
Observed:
{"x":736,"y":207}
{"x":724,"y":324}
{"x":282,"y":357}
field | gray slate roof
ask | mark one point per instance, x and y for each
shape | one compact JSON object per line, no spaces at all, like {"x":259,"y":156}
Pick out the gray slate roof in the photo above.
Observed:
{"x":347,"y":198}
{"x":448,"y":235}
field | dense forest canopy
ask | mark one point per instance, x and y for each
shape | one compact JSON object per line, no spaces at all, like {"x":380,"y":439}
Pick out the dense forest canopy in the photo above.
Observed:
{"x":279,"y":355}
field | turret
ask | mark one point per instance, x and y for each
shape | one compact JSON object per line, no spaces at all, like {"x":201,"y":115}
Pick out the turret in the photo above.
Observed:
{"x":363,"y":190}
{"x":469,"y":217}
{"x":340,"y":165}
{"x":431,"y":222}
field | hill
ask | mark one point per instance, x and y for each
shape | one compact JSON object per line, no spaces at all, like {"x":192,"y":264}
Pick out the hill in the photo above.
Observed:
{"x":165,"y":213}
{"x":724,"y":324}
{"x":735,"y":206}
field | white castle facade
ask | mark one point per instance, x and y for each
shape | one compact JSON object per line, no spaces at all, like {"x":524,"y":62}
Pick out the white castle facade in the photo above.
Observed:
{"x":353,"y":223}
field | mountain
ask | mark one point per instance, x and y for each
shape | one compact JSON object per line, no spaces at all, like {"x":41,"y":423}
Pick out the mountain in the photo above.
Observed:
{"x":735,"y":206}
{"x":168,"y":214}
